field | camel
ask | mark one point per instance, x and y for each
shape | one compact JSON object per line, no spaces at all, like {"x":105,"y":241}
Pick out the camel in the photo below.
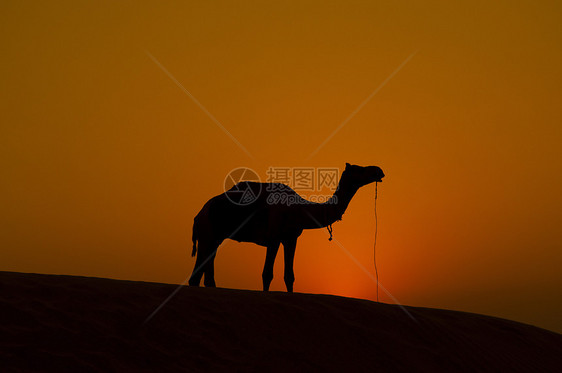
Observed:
{"x":269,"y":219}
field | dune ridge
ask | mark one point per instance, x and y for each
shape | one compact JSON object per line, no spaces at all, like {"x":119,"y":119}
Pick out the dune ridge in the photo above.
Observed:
{"x":70,"y":323}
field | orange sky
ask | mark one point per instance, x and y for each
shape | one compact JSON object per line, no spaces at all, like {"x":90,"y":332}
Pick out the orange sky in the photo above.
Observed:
{"x":105,"y":161}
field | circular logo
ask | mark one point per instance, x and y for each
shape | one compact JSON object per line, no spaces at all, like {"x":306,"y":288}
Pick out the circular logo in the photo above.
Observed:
{"x":242,"y":186}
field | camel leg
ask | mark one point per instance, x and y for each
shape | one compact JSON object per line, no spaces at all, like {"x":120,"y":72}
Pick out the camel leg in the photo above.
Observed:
{"x":197,"y":273}
{"x":289,"y":247}
{"x":267,"y":274}
{"x":204,"y":264}
{"x":209,"y":267}
{"x":209,"y":270}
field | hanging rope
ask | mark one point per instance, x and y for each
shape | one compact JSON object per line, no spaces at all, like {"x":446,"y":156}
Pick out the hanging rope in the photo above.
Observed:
{"x":375,"y":244}
{"x":329,"y":227}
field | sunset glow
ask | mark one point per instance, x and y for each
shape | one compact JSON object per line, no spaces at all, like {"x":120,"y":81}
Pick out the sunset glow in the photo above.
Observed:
{"x":105,"y":159}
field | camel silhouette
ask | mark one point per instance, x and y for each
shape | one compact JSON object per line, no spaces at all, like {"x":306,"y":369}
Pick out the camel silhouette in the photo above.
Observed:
{"x":269,"y":214}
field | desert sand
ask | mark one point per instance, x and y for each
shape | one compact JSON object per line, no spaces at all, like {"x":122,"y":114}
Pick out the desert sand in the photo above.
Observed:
{"x":81,"y":324}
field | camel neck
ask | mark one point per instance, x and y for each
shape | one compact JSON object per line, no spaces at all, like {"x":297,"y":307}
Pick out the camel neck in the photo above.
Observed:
{"x":323,"y":214}
{"x":336,"y":206}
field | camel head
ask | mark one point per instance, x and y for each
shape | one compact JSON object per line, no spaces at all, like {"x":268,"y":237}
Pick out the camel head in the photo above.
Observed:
{"x":363,"y":175}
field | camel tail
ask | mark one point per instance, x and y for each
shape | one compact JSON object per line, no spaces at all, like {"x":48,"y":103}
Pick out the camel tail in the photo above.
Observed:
{"x":194,"y":238}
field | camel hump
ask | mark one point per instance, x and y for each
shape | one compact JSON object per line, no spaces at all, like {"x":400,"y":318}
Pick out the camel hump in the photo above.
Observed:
{"x":243,"y":185}
{"x":261,"y":191}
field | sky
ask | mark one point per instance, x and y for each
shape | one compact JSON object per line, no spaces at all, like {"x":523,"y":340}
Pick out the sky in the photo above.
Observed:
{"x":119,"y":120}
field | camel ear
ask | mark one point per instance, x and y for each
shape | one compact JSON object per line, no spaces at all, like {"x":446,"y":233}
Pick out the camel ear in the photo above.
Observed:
{"x":347,"y":165}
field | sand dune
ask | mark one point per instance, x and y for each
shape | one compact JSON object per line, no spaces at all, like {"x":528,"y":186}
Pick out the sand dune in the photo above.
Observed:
{"x":79,"y":324}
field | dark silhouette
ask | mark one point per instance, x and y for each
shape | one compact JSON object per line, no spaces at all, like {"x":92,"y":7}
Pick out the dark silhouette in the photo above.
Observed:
{"x":273,"y":214}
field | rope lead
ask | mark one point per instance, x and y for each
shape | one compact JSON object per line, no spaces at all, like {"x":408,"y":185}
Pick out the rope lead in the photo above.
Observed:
{"x":375,"y":244}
